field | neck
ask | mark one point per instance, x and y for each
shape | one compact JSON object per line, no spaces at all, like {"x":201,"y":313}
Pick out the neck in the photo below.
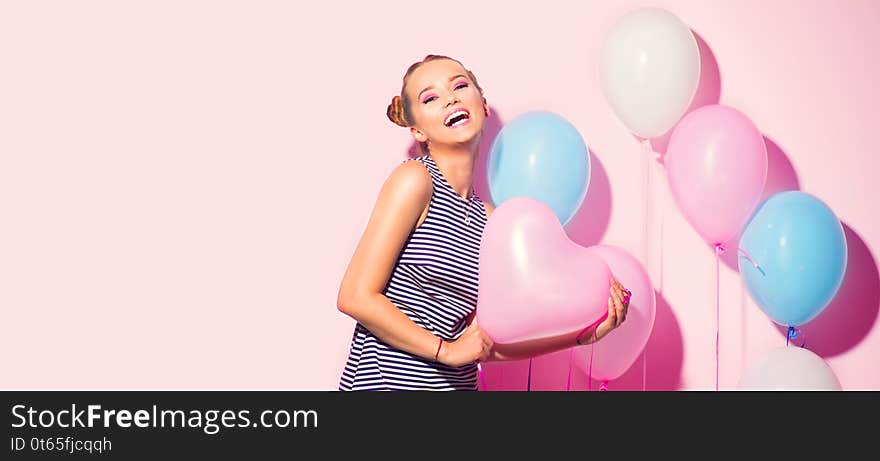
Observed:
{"x":457,"y":163}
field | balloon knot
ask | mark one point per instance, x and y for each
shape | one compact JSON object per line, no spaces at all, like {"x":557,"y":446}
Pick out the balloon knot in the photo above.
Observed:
{"x":603,"y":386}
{"x":793,"y":333}
{"x":720,"y":248}
{"x":658,"y":157}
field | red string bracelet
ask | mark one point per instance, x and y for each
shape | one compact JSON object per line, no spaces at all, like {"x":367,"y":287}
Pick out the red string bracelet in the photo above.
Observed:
{"x":439,"y":345}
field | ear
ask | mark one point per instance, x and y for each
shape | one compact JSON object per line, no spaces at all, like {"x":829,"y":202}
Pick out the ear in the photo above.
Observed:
{"x":417,"y":134}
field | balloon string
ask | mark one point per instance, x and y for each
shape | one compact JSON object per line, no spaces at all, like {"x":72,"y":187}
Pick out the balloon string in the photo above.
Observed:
{"x":646,"y":163}
{"x":644,"y":369}
{"x":662,"y":211}
{"x":529,"y":383}
{"x":793,"y":333}
{"x":482,"y":380}
{"x":590,"y":371}
{"x":570,"y":359}
{"x":751,"y":260}
{"x":718,"y":250}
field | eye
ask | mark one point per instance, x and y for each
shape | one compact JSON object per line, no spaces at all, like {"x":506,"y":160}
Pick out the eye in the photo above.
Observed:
{"x":429,"y":99}
{"x":461,"y":85}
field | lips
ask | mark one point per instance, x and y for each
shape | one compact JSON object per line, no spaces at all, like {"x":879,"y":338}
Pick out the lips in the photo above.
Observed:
{"x":457,"y":117}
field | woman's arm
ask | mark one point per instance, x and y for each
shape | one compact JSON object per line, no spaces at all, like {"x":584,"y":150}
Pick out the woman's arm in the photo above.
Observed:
{"x":401,"y":202}
{"x":533,"y":348}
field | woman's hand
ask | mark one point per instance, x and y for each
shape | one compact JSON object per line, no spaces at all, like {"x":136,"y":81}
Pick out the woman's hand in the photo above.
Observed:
{"x":473,"y":345}
{"x":618,"y":303}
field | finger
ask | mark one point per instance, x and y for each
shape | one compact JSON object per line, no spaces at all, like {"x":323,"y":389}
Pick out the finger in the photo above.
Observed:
{"x":617,"y":297}
{"x":616,"y":283}
{"x":608,"y":324}
{"x":617,"y":291}
{"x":619,"y":311}
{"x":486,"y":352}
{"x":612,"y":312}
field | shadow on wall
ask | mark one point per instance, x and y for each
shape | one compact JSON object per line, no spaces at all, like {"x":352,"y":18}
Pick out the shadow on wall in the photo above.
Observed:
{"x":853,"y":311}
{"x":588,"y":225}
{"x":664,"y":353}
{"x":551,"y":372}
{"x":708,"y":90}
{"x":781,"y":177}
{"x":849,"y":317}
{"x":490,"y":131}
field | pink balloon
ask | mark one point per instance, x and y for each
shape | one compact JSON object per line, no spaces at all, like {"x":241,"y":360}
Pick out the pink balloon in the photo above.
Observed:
{"x":614,"y":354}
{"x":534,"y":281}
{"x":716,"y":164}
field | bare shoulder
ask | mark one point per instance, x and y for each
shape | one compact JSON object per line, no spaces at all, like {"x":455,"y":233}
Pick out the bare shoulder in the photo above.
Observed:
{"x":410,"y":179}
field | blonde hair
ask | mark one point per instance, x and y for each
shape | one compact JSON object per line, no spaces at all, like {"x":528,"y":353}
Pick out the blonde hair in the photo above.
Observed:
{"x":399,"y":111}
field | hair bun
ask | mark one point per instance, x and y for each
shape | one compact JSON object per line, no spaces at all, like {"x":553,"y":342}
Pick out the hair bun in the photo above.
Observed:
{"x":395,"y":112}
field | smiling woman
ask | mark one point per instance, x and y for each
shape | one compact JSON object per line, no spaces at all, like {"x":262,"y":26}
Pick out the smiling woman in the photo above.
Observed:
{"x":413,"y":280}
{"x":461,"y":80}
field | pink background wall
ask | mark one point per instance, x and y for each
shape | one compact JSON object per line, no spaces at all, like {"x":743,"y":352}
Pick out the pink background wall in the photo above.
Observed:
{"x":183,"y":183}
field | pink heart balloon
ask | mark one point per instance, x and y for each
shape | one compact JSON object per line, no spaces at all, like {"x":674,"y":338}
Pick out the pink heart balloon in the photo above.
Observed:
{"x":534,"y":281}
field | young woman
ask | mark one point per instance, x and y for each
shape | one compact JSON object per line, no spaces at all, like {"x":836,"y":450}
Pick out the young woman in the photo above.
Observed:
{"x":412,"y":282}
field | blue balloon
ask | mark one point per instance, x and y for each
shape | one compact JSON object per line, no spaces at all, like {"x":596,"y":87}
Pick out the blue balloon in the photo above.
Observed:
{"x":799,"y":245}
{"x":542,"y":156}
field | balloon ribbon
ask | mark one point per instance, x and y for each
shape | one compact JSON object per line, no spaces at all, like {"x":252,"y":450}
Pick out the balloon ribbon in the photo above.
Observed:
{"x":570,"y":359}
{"x":719,"y":249}
{"x":529,"y":384}
{"x":590,"y":370}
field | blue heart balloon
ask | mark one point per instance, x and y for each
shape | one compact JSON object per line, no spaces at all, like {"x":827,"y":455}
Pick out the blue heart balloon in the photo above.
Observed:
{"x":800,"y":248}
{"x":542,"y":156}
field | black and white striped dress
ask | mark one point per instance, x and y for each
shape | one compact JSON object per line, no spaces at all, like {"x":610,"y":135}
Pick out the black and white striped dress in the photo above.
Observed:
{"x":434,"y":282}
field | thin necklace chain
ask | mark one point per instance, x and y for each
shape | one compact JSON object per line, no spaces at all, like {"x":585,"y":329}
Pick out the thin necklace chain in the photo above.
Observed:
{"x":467,"y":207}
{"x":466,"y":202}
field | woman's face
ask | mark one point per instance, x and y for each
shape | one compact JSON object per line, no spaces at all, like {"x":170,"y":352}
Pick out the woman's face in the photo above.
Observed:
{"x":446,"y":105}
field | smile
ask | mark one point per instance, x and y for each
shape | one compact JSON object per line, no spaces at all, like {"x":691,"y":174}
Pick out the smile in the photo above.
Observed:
{"x":457,"y":118}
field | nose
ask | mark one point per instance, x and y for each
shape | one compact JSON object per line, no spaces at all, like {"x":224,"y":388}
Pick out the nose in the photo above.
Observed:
{"x":452,"y":99}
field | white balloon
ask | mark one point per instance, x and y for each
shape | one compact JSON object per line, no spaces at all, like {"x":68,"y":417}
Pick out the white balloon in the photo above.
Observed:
{"x":650,"y":69}
{"x":789,"y":369}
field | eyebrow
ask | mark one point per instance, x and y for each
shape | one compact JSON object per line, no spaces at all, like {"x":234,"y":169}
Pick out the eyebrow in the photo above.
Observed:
{"x":430,"y":87}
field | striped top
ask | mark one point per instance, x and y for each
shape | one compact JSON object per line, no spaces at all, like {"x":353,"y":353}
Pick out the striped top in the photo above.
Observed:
{"x":434,"y":282}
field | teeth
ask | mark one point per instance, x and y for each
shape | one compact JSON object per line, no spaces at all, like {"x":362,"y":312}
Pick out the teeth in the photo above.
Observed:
{"x":452,"y":115}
